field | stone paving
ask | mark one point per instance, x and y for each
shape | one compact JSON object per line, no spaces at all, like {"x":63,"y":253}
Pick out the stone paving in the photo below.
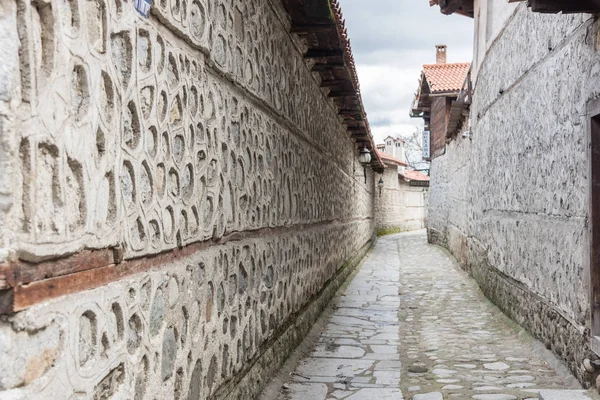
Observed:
{"x":412,"y":325}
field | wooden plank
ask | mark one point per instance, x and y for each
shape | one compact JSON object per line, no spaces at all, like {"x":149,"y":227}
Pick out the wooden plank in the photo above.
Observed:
{"x":438,"y":124}
{"x":34,"y":293}
{"x":312,"y":28}
{"x":330,"y":83}
{"x":24,"y":296}
{"x":26,"y":272}
{"x":593,"y":138}
{"x":565,"y":6}
{"x":327,"y":66}
{"x":341,"y":94}
{"x":323,"y":53}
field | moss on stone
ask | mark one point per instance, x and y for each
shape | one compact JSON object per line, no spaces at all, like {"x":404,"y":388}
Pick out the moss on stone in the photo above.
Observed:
{"x":389,"y":231}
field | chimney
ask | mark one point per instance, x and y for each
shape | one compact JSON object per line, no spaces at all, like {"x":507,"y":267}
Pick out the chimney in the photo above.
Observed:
{"x":440,"y":53}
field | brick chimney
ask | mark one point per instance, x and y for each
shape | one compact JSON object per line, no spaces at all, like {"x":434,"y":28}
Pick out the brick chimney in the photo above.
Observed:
{"x":440,"y":53}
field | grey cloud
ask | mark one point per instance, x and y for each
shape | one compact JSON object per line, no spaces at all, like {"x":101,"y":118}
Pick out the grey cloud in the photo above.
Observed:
{"x":391,"y":40}
{"x":389,"y":25}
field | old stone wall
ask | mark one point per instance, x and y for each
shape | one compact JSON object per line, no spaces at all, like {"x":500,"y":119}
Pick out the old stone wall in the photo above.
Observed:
{"x":511,"y":204}
{"x":399,"y":207}
{"x":201,"y":126}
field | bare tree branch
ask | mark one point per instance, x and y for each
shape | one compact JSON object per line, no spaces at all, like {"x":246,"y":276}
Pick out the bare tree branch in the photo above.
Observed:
{"x":413,"y":145}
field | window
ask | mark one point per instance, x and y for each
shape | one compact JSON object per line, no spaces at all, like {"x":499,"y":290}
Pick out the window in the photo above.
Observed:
{"x":389,"y":143}
{"x":398,"y":144}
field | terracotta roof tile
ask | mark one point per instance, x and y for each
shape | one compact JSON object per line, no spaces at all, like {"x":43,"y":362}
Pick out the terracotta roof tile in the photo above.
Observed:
{"x":415,"y":176}
{"x":386,"y":157}
{"x":444,"y":78}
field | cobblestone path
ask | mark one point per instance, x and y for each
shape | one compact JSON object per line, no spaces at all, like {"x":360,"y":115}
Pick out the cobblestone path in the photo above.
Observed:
{"x":412,"y":325}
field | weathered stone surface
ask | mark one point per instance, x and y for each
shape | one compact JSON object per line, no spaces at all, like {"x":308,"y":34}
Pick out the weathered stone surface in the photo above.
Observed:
{"x":442,"y":325}
{"x":428,"y":396}
{"x":377,"y":394}
{"x":417,"y":369}
{"x":399,"y":207}
{"x":110,"y":385}
{"x":169,"y":352}
{"x":511,"y":203}
{"x":563,"y":395}
{"x":26,"y":356}
{"x":202,"y":125}
{"x":498,"y":366}
{"x":362,"y":314}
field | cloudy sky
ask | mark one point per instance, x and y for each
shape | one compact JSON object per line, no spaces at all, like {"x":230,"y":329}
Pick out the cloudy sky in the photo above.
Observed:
{"x":391,"y":40}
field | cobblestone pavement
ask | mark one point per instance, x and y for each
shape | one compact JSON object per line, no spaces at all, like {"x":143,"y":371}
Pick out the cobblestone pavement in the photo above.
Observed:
{"x":412,"y":325}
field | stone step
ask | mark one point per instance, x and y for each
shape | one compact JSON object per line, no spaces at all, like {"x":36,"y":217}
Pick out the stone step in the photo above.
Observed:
{"x":564,"y":395}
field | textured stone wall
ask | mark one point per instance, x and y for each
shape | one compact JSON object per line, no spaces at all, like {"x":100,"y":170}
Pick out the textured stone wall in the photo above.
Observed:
{"x":198,"y":123}
{"x":400,"y":207}
{"x":512,"y":203}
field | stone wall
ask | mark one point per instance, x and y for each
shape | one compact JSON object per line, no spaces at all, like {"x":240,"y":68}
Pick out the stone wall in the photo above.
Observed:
{"x":511,"y":204}
{"x":399,"y":207}
{"x":199,"y":128}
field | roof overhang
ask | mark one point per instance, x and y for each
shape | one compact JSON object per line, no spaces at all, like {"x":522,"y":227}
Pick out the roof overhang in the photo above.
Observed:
{"x":460,"y":108}
{"x":564,"y":6}
{"x":461,"y":7}
{"x":466,"y":7}
{"x":328,"y":52}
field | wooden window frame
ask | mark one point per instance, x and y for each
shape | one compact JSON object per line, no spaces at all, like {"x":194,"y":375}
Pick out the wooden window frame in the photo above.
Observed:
{"x":593,"y":256}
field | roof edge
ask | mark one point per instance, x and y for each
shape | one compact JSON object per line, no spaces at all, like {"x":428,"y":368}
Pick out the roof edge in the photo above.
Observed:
{"x":330,"y":54}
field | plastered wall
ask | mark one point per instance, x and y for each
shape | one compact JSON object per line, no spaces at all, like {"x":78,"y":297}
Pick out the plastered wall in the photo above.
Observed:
{"x":153,"y":134}
{"x":512,"y":202}
{"x":399,"y":207}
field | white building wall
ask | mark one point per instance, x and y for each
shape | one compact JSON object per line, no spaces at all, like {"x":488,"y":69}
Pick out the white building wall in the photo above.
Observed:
{"x":512,"y":202}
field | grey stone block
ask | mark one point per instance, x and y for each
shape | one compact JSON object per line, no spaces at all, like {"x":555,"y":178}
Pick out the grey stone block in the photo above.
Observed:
{"x":428,"y":396}
{"x":564,"y":395}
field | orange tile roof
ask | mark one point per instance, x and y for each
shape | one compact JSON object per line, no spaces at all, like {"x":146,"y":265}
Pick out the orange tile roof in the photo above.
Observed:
{"x":386,"y":157}
{"x":443,"y":78}
{"x":415,"y":176}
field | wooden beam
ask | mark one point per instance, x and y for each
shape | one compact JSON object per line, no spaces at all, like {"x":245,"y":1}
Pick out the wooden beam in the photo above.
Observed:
{"x":319,"y":67}
{"x":565,"y":6}
{"x":323,"y":53}
{"x":78,"y":262}
{"x":309,"y":28}
{"x":341,"y":94}
{"x":450,"y":6}
{"x":331,"y":83}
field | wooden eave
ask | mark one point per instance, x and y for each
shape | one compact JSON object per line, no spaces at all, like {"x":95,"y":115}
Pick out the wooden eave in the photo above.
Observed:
{"x":460,"y":7}
{"x":321,"y":25}
{"x":564,"y":6}
{"x":460,"y":107}
{"x":422,"y":101}
{"x":466,"y":8}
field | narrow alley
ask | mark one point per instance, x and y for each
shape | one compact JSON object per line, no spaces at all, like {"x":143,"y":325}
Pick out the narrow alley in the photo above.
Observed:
{"x":229,"y":200}
{"x":411,"y":323}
